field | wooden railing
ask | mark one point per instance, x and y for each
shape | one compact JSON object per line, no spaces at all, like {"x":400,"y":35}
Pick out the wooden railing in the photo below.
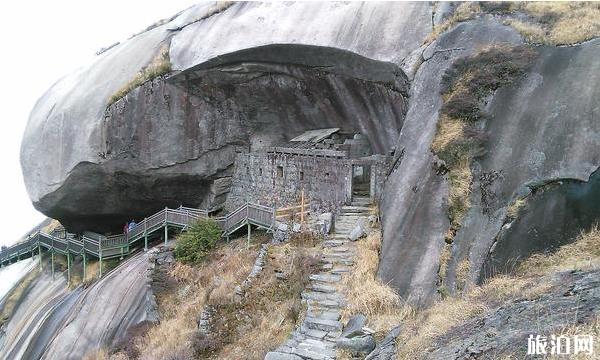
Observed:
{"x":104,"y":247}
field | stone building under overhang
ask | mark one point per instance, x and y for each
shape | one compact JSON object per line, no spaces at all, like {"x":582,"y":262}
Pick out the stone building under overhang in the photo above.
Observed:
{"x":330,"y":167}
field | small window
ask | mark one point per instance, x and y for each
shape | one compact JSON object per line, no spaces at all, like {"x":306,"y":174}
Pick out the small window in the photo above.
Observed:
{"x":247,"y":170}
{"x":280,"y":171}
{"x":301,"y":175}
{"x":260,"y":171}
{"x":326,"y":174}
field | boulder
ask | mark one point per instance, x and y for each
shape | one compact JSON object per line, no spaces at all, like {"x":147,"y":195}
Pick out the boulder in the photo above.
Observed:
{"x":359,"y":344}
{"x":354,"y":338}
{"x":326,"y":222}
{"x":358,"y":231}
{"x":173,"y":140}
{"x":354,"y":326}
{"x":386,"y":349}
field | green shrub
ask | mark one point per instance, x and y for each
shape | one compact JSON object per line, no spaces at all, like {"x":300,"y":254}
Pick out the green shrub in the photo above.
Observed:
{"x":194,"y":244}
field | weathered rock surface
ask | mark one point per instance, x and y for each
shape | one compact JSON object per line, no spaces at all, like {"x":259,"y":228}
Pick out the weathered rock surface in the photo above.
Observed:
{"x":542,"y":129}
{"x":386,"y":349}
{"x":52,"y":322}
{"x":573,"y":300}
{"x":414,"y":210}
{"x":536,"y":132}
{"x":247,"y":76}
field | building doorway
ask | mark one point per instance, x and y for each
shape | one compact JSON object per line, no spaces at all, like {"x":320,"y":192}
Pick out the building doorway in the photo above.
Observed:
{"x":361,"y":181}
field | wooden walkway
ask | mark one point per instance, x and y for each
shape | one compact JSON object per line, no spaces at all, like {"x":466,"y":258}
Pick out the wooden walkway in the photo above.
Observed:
{"x":118,"y":246}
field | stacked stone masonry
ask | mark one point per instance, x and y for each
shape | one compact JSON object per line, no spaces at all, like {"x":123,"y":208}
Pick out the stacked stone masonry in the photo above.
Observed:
{"x":324,"y":172}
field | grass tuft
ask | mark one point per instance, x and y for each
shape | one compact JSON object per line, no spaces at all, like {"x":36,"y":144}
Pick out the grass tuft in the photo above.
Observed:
{"x":515,"y":208}
{"x":459,"y":138}
{"x":564,"y":22}
{"x":161,"y":65}
{"x":531,"y":280}
{"x":367,"y":295}
{"x":465,"y":11}
{"x":582,"y":254}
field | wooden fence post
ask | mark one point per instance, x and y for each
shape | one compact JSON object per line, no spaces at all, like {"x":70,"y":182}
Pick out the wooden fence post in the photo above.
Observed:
{"x":100,"y":259}
{"x":249,"y":233}
{"x":68,"y":267}
{"x":145,"y":235}
{"x":166,"y":225}
{"x":52,"y":261}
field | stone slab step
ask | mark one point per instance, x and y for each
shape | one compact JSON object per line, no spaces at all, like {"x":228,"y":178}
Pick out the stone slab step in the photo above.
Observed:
{"x":350,"y":208}
{"x":313,"y":333}
{"x":323,"y":304}
{"x":334,"y":243}
{"x":339,"y":270}
{"x":325,"y":344}
{"x":326,"y":277}
{"x":337,"y":261}
{"x":322,"y":288}
{"x":338,"y":254}
{"x":327,"y":266}
{"x":319,"y":296}
{"x":276,"y":355}
{"x":314,"y":354}
{"x":323,"y":324}
{"x":324,"y":314}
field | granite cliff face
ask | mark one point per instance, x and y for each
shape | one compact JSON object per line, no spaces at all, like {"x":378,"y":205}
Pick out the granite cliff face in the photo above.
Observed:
{"x":50,"y":321}
{"x":249,"y":75}
{"x":540,"y":129}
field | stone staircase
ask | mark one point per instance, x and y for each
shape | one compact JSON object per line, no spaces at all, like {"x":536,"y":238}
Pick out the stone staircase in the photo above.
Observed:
{"x":315,"y":337}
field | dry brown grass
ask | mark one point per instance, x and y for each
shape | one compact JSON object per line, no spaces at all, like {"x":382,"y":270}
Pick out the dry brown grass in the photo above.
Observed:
{"x":103,"y":354}
{"x":15,"y":295}
{"x":160,"y":65}
{"x":449,"y":131}
{"x":210,"y":282}
{"x":367,"y":295}
{"x":463,"y":12}
{"x":53,"y":225}
{"x":462,"y":274}
{"x":515,"y":208}
{"x":582,"y":254}
{"x":530,"y":282}
{"x":592,"y":328}
{"x":559,"y":23}
{"x":531,"y":32}
{"x":245,"y":328}
{"x":460,"y":178}
{"x":271,"y":307}
{"x":444,"y":260}
{"x":422,"y":329}
{"x":553,"y":23}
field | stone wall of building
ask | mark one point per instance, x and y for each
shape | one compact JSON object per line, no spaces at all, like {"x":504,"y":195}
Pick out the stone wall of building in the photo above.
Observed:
{"x":278,"y":178}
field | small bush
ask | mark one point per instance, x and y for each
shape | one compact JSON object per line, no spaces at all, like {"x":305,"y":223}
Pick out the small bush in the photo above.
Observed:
{"x":203,"y":344}
{"x":194,"y":244}
{"x":305,"y":239}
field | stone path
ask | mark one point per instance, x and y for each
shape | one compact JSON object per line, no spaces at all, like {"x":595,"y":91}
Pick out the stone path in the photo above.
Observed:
{"x":315,"y":337}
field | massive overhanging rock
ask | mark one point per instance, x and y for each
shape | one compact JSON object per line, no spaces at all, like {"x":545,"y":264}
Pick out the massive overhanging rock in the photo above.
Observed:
{"x":245,"y":75}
